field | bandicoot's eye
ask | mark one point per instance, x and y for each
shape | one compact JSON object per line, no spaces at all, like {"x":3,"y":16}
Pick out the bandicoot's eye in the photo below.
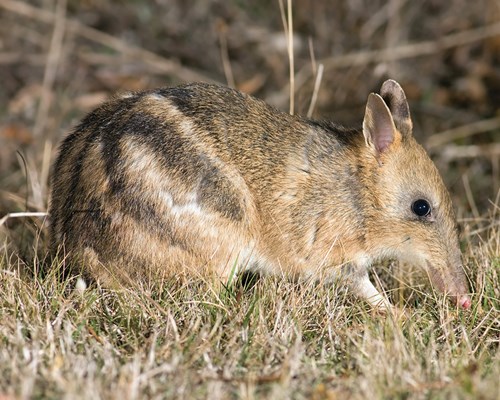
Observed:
{"x":421,"y":207}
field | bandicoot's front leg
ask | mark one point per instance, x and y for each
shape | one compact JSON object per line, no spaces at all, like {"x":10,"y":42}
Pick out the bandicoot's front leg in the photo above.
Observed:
{"x":364,"y":288}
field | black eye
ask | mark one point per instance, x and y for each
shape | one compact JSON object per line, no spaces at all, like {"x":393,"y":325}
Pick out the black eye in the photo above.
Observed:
{"x":421,"y":207}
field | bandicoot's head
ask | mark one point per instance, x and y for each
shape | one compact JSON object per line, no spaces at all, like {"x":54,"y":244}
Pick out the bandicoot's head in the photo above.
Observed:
{"x":415,"y":220}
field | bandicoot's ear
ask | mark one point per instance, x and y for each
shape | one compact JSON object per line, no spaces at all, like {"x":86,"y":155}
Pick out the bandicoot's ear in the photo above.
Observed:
{"x":395,"y":98}
{"x":378,"y":126}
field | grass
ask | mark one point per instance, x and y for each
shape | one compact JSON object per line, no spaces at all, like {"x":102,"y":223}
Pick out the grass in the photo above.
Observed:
{"x":188,"y":338}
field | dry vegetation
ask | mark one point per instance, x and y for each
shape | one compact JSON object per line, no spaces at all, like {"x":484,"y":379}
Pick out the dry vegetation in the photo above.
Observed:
{"x":188,"y":338}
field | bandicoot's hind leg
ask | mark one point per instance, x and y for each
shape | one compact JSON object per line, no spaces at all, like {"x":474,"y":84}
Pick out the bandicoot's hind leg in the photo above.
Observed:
{"x":247,"y":279}
{"x":195,"y":251}
{"x":173,"y":263}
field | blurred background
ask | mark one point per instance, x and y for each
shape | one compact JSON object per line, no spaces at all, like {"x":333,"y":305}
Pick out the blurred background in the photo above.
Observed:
{"x":60,"y":58}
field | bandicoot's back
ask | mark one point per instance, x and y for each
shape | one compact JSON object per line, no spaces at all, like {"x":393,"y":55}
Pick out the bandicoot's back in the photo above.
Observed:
{"x":205,"y":177}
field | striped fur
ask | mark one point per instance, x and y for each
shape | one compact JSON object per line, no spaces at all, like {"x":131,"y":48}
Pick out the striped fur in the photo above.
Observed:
{"x":203,"y":178}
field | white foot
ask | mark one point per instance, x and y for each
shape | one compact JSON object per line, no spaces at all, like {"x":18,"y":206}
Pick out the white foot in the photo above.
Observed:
{"x":364,"y":288}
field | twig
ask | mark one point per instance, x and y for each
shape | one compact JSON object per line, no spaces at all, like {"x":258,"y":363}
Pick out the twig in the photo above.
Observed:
{"x":463,"y":131}
{"x":93,"y":333}
{"x":44,"y":171}
{"x":288,"y":28}
{"x":126,"y":49}
{"x":412,"y":50}
{"x":452,"y":152}
{"x":312,"y":56}
{"x":317,"y":84}
{"x":379,"y":18}
{"x":21,"y":215}
{"x":44,"y":105}
{"x":393,"y":33}
{"x":470,"y":196}
{"x":224,"y":53}
{"x":53,"y":58}
{"x":13,"y":57}
{"x":291,"y":57}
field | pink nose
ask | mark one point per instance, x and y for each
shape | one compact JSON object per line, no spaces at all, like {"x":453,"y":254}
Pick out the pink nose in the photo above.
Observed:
{"x":464,"y":302}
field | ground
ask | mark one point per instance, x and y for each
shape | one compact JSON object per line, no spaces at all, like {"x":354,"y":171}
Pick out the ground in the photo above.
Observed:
{"x":190,"y":338}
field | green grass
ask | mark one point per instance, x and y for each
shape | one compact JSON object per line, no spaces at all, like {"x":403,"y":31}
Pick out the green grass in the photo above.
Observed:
{"x":192,"y":339}
{"x":279,"y":340}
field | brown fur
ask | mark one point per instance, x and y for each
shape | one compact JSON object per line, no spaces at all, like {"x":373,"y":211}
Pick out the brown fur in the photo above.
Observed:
{"x":202,"y":177}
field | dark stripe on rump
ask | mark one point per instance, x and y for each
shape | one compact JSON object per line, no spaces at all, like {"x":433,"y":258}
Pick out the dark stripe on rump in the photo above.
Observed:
{"x":144,"y":213}
{"x":73,"y":193}
{"x":220,"y":195}
{"x":96,"y":125}
{"x":95,"y":220}
{"x":122,"y":122}
{"x":182,"y":159}
{"x":183,"y":97}
{"x":178,"y":159}
{"x":176,"y":154}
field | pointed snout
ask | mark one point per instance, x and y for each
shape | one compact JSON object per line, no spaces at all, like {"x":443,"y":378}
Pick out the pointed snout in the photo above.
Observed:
{"x":451,"y":281}
{"x":464,"y":302}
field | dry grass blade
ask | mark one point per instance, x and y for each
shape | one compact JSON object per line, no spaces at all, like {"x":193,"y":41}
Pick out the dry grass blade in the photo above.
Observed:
{"x":463,"y":131}
{"x":22,"y":215}
{"x":224,"y":53}
{"x":412,"y":50}
{"x":385,"y":13}
{"x":129,"y":51}
{"x":191,"y":336}
{"x":314,"y":97}
{"x":287,"y":19}
{"x":453,"y":152}
{"x":53,"y":59}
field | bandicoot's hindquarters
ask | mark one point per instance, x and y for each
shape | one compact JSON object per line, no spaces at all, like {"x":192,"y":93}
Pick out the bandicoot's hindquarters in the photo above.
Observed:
{"x":135,"y":197}
{"x":203,"y":177}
